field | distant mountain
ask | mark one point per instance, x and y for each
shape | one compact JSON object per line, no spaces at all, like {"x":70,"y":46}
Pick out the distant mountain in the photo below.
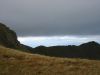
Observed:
{"x":91,"y":44}
{"x":90,"y":50}
{"x":8,"y":38}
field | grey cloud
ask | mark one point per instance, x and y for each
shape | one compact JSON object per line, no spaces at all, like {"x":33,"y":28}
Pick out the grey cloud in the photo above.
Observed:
{"x":51,"y":17}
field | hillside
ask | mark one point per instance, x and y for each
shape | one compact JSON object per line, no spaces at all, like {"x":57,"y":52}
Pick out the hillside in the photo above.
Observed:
{"x":8,"y":38}
{"x":14,"y":62}
{"x":90,"y":50}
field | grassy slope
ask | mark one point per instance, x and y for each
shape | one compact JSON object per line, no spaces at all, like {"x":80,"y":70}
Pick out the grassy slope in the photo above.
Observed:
{"x":13,"y":62}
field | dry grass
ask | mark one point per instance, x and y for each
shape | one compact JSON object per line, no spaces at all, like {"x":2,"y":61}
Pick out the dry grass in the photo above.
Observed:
{"x":13,"y":62}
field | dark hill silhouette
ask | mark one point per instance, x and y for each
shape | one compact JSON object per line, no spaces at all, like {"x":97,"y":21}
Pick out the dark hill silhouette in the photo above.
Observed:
{"x":8,"y":38}
{"x":90,"y":50}
{"x":90,"y":44}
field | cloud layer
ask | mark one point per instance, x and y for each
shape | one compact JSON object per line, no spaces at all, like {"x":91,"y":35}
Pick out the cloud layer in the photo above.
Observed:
{"x":57,"y":40}
{"x":51,"y":17}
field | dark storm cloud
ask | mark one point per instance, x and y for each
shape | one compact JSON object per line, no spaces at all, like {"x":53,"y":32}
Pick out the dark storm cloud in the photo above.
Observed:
{"x":51,"y":17}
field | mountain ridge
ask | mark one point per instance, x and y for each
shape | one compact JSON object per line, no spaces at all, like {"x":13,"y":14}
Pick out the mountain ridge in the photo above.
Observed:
{"x":89,"y":50}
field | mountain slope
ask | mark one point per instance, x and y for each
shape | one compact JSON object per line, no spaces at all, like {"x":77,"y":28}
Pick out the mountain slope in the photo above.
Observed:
{"x":14,"y":62}
{"x":8,"y":38}
{"x":90,"y":50}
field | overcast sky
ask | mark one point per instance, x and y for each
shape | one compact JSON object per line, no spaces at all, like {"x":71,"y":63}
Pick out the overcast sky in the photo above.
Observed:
{"x":52,"y":17}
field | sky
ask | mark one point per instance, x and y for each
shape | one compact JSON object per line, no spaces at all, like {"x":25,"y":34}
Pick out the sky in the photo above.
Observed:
{"x":46,"y":22}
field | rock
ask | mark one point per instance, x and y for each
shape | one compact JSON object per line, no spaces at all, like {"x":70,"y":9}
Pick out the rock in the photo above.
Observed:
{"x":8,"y":38}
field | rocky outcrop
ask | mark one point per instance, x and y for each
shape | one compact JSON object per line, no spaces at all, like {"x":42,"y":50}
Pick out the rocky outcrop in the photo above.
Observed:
{"x":8,"y":38}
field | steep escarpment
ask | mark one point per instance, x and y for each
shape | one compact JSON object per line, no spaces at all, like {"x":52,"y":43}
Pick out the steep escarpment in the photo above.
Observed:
{"x":8,"y":38}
